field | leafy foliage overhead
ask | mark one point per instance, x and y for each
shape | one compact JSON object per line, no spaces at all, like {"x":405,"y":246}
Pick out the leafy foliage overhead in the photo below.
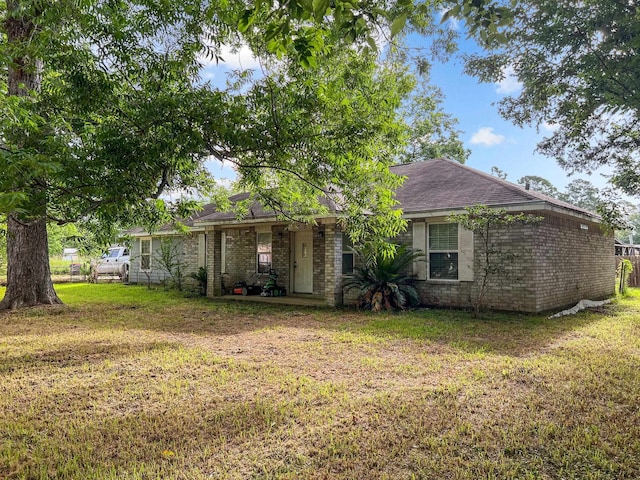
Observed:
{"x":580,"y":75}
{"x":121,"y":117}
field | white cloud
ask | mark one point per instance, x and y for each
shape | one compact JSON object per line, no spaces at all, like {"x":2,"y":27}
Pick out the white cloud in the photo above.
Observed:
{"x":208,"y":74}
{"x":239,"y":58}
{"x":486,"y":137}
{"x":452,"y":22}
{"x":550,"y":127}
{"x":232,"y":57}
{"x":381,"y":36}
{"x":509,"y":82}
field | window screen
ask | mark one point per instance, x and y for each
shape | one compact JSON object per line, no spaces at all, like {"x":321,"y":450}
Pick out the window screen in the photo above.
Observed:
{"x":347,"y":255}
{"x":264,"y":252}
{"x":443,"y":251}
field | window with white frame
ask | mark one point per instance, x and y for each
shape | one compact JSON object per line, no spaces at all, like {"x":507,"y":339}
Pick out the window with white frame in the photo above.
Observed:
{"x":443,"y":251}
{"x":347,"y":255}
{"x":264,"y":252}
{"x":145,"y":254}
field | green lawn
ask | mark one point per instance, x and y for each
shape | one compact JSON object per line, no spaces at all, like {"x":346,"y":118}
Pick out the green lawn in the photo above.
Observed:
{"x":128,"y":383}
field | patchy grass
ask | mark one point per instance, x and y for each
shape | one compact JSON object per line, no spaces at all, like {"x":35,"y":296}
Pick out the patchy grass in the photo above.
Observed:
{"x":127,"y":383}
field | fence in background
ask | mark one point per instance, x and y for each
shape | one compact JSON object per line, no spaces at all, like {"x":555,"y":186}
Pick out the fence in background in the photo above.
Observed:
{"x":634,"y":278}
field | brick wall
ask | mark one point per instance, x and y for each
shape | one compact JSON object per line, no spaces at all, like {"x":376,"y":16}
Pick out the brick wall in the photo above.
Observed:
{"x":214,"y":265}
{"x":241,"y":257}
{"x":333,"y":265}
{"x":319,"y":254}
{"x":555,"y":264}
{"x":573,"y":263}
{"x":281,"y":254}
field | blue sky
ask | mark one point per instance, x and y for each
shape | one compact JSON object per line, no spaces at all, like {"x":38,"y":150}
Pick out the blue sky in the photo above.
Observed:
{"x":492,"y":140}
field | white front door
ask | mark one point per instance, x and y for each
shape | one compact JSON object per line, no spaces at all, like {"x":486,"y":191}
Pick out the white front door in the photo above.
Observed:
{"x":303,"y":266}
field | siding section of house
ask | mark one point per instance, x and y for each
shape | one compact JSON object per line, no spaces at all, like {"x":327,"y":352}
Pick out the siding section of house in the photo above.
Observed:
{"x":186,"y":252}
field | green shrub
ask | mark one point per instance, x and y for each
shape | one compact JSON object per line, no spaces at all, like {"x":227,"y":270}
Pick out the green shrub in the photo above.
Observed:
{"x":383,"y":280}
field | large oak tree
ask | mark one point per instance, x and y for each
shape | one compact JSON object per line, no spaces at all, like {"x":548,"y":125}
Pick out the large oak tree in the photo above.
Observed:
{"x":104,"y":112}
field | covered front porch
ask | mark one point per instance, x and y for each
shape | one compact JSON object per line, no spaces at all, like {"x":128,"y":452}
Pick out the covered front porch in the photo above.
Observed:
{"x":306,"y":259}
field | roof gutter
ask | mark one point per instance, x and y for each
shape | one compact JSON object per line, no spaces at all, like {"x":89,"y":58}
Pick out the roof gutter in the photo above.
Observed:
{"x":260,"y":221}
{"x":165,"y":233}
{"x":514,"y":207}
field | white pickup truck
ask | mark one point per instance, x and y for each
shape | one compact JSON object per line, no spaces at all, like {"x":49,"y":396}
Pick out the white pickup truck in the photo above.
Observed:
{"x":115,"y":261}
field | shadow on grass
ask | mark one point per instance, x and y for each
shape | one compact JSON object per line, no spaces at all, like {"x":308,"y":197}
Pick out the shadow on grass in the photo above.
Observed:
{"x":189,"y":414}
{"x":129,"y":307}
{"x":502,"y":333}
{"x":79,"y":353}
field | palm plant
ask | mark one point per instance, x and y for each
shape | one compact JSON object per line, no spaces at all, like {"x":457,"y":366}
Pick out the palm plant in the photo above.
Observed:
{"x":384,"y":280}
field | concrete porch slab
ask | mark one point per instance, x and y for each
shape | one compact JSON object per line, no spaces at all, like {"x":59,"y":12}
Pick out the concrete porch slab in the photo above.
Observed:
{"x":295,"y":299}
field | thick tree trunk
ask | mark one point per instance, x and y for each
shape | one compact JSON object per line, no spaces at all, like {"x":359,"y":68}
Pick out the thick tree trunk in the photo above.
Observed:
{"x":28,"y":273}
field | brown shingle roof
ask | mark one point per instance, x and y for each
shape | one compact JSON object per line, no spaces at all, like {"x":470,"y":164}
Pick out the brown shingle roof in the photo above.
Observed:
{"x":447,"y":185}
{"x":207,"y":209}
{"x":430,"y":186}
{"x":256,"y":210}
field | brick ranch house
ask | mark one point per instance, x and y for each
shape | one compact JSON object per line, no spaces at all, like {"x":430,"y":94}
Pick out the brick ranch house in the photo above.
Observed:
{"x":559,"y":261}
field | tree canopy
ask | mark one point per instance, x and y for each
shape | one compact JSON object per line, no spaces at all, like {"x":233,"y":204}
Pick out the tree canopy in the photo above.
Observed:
{"x":631,"y":234}
{"x":579,"y":192}
{"x":105,"y":113}
{"x":580,"y":75}
{"x":539,"y":184}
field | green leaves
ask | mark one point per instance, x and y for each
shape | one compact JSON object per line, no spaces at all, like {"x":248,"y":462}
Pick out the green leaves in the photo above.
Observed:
{"x":398,"y":24}
{"x":320,"y":8}
{"x":322,"y":136}
{"x":382,"y":278}
{"x":246,"y":20}
{"x":12,"y":201}
{"x":120,"y":121}
{"x":483,"y":18}
{"x":579,"y":67}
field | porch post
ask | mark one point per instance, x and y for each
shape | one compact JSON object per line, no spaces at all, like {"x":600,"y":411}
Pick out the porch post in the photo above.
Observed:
{"x":214,"y":248}
{"x":333,"y":265}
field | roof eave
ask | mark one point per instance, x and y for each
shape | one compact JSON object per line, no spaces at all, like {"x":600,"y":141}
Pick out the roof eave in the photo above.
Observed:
{"x":250,"y":221}
{"x":166,"y":233}
{"x":511,"y":207}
